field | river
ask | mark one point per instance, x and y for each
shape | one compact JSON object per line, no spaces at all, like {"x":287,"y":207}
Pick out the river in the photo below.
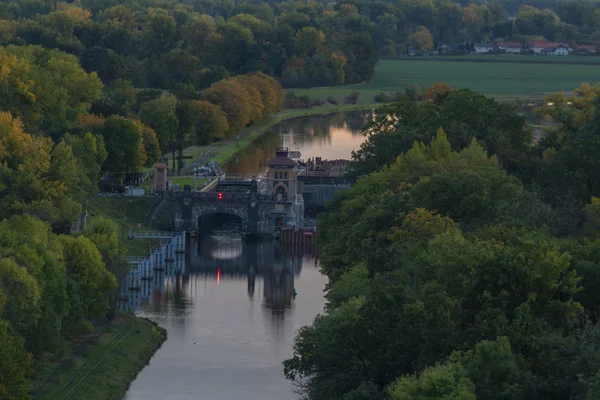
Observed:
{"x":230,"y":314}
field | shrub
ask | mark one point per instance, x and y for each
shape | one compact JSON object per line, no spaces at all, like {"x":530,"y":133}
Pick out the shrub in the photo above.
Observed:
{"x":352,"y":98}
{"x":383,"y":97}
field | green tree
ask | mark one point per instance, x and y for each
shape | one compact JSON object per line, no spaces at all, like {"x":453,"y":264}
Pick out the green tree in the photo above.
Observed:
{"x":22,"y":298}
{"x":30,"y":243}
{"x":309,"y":41}
{"x":47,"y":89}
{"x":161,"y":115}
{"x":14,"y":367}
{"x":88,"y":279}
{"x":160,"y":32}
{"x":444,"y":382}
{"x":43,"y":179}
{"x":90,"y":153}
{"x":123,"y":141}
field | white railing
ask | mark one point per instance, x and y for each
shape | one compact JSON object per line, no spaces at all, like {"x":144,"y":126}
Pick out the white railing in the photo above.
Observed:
{"x":136,"y":260}
{"x":152,"y":235}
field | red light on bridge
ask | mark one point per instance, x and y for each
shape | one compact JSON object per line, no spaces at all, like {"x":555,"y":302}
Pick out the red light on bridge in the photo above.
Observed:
{"x":220,"y":196}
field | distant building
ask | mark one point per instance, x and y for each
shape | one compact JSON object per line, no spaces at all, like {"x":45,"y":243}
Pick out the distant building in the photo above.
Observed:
{"x":482,"y":48}
{"x":538,"y":46}
{"x":560,"y":50}
{"x":586,"y":49}
{"x":509,"y":47}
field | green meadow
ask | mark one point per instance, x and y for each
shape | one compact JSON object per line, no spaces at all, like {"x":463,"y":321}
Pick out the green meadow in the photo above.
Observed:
{"x":518,"y":79}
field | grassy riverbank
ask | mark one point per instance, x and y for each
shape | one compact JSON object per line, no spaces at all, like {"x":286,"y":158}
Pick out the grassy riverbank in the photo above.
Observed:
{"x":100,"y":368}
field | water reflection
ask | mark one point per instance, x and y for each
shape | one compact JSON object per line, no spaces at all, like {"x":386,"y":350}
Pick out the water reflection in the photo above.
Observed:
{"x":332,"y":136}
{"x":230,"y":317}
{"x":220,"y":253}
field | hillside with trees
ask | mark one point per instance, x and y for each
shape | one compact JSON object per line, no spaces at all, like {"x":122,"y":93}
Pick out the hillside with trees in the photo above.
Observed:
{"x":463,"y":264}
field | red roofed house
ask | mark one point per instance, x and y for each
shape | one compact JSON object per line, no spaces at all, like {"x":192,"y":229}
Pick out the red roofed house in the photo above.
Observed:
{"x":587,"y":48}
{"x":538,"y":45}
{"x":509,"y":47}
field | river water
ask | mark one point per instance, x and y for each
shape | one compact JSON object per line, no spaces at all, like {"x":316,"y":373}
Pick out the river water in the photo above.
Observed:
{"x":229,"y":311}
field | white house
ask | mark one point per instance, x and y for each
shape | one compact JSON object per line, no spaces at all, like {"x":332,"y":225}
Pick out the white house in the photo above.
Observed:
{"x":481,"y":48}
{"x":560,"y":50}
{"x":538,"y":46}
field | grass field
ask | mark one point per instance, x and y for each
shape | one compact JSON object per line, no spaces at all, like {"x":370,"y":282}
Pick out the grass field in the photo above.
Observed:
{"x":509,"y":58}
{"x":100,"y":368}
{"x":502,"y":80}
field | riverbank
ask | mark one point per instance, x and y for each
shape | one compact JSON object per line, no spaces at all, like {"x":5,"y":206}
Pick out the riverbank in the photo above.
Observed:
{"x":225,"y":151}
{"x":100,"y":367}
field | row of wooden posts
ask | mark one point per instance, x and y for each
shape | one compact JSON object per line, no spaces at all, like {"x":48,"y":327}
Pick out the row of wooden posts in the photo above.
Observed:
{"x":298,"y":242}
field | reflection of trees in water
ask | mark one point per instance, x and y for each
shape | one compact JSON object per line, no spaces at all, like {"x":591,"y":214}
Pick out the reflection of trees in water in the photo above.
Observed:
{"x":310,"y":131}
{"x":254,"y":158}
{"x":356,"y":120}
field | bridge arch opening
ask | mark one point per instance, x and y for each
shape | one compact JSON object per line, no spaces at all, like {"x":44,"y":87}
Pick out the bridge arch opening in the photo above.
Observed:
{"x":230,"y":219}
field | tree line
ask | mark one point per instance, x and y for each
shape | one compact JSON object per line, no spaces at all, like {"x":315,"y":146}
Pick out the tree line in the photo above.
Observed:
{"x":184,"y":47}
{"x":463,"y":264}
{"x":52,"y":285}
{"x":187,"y":46}
{"x":53,"y":95}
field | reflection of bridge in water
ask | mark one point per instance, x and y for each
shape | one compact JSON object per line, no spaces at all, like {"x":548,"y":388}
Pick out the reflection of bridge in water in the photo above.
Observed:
{"x":219,"y":257}
{"x":231,"y":257}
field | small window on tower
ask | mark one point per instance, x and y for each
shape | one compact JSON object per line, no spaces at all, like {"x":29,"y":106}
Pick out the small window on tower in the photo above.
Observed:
{"x":285,"y":175}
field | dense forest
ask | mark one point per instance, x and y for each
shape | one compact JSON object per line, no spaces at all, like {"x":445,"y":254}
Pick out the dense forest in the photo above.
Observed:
{"x":185,"y":46}
{"x":464,"y":263}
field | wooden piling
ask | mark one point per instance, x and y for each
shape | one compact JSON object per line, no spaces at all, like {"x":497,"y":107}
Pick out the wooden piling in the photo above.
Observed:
{"x":298,"y":242}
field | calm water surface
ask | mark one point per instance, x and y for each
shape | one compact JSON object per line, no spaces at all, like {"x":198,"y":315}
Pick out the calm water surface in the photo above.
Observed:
{"x":330,"y":137}
{"x":228,"y":309}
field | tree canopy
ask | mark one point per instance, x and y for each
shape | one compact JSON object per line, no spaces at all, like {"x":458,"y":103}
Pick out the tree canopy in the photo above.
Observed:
{"x":451,"y":273}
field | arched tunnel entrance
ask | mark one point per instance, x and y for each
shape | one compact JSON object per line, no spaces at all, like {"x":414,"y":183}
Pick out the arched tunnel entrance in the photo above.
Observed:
{"x":223,"y":223}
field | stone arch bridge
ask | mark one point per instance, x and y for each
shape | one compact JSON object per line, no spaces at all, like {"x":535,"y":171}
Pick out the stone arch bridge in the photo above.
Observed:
{"x":260,"y":214}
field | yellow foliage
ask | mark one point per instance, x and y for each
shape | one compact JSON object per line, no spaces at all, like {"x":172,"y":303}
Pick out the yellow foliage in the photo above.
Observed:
{"x":91,"y":122}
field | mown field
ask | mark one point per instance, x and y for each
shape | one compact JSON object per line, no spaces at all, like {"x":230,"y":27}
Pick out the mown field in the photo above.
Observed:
{"x":511,"y":58}
{"x":502,"y":80}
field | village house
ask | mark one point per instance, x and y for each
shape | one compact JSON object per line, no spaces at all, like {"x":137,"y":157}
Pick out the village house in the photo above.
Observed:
{"x":537,"y":46}
{"x":482,"y":48}
{"x":585,"y":49}
{"x":560,"y":50}
{"x":509,"y":47}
